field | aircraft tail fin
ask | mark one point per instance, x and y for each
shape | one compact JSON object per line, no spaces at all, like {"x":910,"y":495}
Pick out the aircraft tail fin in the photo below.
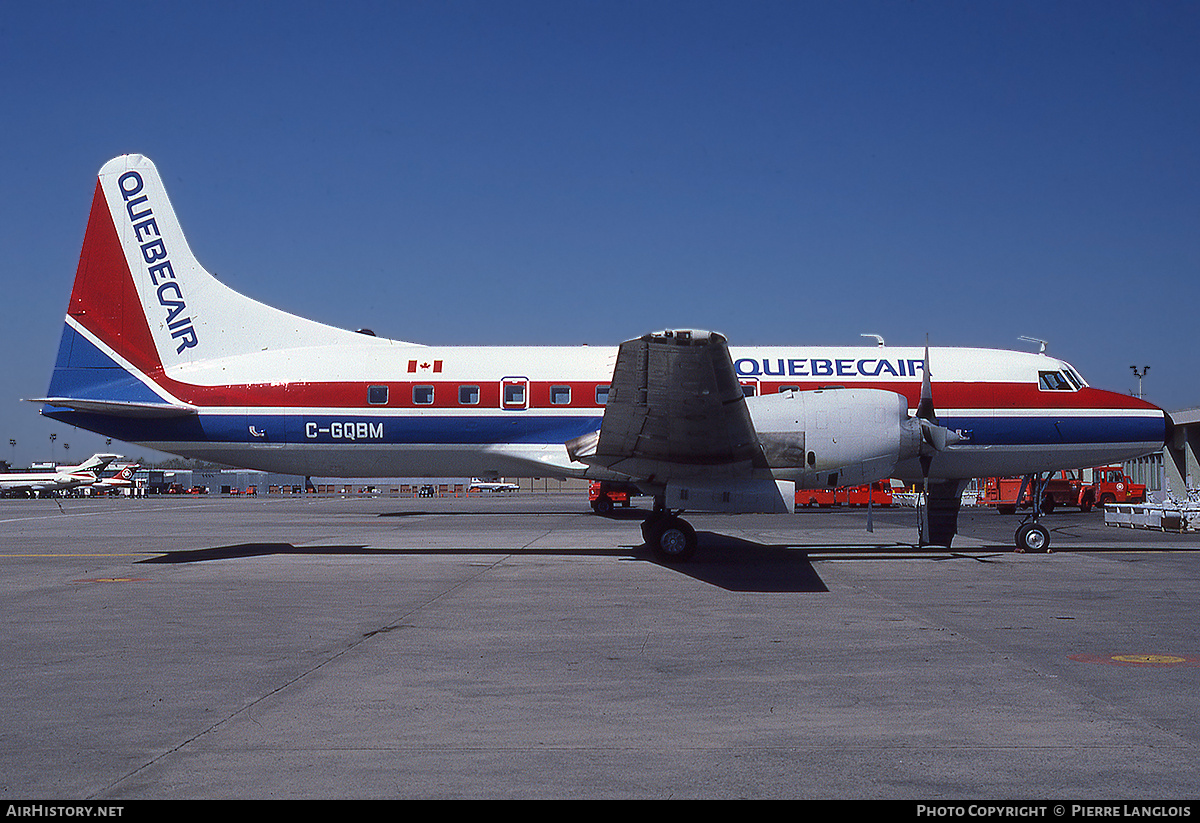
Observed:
{"x":142,"y":306}
{"x":125,"y":475}
{"x":95,"y":463}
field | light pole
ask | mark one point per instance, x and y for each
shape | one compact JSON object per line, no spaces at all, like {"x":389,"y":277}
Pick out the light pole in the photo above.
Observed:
{"x":1139,"y":376}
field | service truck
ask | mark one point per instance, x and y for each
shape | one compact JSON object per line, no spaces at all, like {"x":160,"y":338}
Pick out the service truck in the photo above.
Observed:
{"x":605,"y":495}
{"x":1110,"y":484}
{"x":1068,"y":487}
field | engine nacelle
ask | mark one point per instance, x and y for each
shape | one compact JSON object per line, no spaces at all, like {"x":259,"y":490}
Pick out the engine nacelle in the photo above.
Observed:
{"x":836,"y":437}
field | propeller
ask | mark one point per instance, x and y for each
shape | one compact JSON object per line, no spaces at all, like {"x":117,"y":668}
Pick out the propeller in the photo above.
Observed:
{"x":927,"y":419}
{"x":934,"y":437}
{"x":925,"y":407}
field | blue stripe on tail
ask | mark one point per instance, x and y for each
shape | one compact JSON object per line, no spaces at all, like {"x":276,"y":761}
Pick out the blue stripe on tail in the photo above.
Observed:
{"x":84,"y":372}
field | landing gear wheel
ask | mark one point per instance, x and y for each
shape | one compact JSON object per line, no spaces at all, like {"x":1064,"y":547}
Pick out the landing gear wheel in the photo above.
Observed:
{"x":1033,"y":538}
{"x":672,"y":539}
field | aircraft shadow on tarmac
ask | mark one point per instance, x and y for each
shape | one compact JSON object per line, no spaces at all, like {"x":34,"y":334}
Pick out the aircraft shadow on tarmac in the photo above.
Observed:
{"x":743,"y":565}
{"x":726,"y":562}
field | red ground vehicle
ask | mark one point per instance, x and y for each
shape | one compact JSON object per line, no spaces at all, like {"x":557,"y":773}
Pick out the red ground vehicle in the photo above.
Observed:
{"x":1110,"y":484}
{"x":605,"y":496}
{"x":817,"y":497}
{"x":1065,"y":488}
{"x":879,"y":493}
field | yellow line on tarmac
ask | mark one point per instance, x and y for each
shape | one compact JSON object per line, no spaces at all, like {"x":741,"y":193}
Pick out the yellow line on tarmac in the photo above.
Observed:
{"x":114,"y":554}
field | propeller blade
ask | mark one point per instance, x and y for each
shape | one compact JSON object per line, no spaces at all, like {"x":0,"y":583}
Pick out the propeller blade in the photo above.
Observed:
{"x":927,"y":418}
{"x":925,"y":409}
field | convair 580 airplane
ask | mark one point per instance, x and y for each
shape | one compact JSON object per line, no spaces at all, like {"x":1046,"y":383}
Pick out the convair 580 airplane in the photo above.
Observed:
{"x":156,"y":351}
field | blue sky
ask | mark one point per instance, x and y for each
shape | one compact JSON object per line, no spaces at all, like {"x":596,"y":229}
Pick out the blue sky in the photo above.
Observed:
{"x":583,"y":172}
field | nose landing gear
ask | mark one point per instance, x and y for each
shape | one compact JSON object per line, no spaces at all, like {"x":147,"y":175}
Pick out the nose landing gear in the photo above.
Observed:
{"x":1032,"y":536}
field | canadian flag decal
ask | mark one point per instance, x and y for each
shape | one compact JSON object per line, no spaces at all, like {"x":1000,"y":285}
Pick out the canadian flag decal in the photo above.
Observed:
{"x":415,"y":366}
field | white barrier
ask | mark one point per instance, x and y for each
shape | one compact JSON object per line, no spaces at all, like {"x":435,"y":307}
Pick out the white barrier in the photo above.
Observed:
{"x":1155,"y":516}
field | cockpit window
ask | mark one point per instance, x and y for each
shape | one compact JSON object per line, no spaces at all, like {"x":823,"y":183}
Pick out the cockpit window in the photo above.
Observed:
{"x":1053,"y":381}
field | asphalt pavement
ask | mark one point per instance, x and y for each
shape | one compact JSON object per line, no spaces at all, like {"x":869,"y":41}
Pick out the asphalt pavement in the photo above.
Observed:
{"x":518,"y":646}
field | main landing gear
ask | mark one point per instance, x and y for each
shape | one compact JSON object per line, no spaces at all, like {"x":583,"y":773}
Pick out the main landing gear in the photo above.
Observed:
{"x":669,"y":536}
{"x":1031,"y":535}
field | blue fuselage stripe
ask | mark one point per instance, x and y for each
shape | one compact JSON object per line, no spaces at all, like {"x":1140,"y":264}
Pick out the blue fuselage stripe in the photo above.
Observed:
{"x":1048,"y":430}
{"x":536,"y":429}
{"x":522,"y":428}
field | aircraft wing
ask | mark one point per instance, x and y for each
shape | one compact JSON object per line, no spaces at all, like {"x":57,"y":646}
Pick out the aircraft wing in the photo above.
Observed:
{"x":675,"y":412}
{"x":18,"y":486}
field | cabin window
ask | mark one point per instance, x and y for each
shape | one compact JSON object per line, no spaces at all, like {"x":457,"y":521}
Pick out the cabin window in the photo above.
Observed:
{"x":377,"y":395}
{"x":514,"y":394}
{"x":1053,"y":381}
{"x":468,"y":395}
{"x":601,"y":395}
{"x":783,"y":389}
{"x":423,"y":395}
{"x":560,"y":395}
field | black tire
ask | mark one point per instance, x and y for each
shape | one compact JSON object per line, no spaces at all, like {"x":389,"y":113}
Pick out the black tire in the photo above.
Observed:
{"x":672,"y":539}
{"x":1033,"y":538}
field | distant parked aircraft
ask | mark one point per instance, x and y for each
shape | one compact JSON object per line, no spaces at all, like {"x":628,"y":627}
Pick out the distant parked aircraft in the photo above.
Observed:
{"x":62,"y":477}
{"x":491,"y":486}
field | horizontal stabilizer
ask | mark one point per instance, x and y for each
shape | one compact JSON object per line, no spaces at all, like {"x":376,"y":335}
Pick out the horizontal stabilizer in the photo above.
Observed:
{"x":118,"y":408}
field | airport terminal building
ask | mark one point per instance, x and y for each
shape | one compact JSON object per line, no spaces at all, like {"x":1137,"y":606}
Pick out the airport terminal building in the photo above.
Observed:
{"x":1180,"y":469}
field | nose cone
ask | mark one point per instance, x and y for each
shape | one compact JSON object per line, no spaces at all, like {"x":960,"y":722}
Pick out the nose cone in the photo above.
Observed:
{"x":1131,"y":420}
{"x":1164,"y":426}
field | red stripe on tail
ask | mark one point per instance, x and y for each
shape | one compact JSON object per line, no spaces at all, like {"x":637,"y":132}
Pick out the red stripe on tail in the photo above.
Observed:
{"x":104,"y":299}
